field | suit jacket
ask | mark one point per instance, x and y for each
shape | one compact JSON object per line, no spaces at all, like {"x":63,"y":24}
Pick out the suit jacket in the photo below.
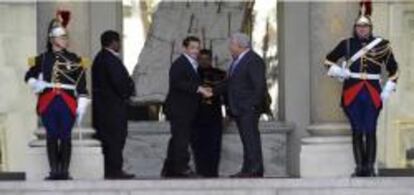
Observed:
{"x":182,"y":99}
{"x":111,"y":88}
{"x":246,"y":86}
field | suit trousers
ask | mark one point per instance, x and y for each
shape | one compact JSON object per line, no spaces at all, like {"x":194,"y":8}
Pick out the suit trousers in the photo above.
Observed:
{"x":247,"y":124}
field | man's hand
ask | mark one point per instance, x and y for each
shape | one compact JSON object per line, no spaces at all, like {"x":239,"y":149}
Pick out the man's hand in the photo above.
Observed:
{"x":206,"y":92}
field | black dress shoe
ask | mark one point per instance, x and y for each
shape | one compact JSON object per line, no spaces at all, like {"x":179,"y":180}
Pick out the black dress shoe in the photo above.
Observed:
{"x":370,"y":171}
{"x":122,"y":175}
{"x":247,"y":175}
{"x":53,"y":176}
{"x":359,"y":172}
{"x":64,"y":176}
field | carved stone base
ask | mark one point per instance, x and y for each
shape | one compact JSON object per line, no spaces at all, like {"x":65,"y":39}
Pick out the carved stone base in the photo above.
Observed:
{"x":147,"y":142}
{"x":327,"y":154}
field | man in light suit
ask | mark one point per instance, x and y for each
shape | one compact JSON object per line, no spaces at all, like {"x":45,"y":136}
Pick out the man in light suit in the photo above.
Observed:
{"x":246,"y":89}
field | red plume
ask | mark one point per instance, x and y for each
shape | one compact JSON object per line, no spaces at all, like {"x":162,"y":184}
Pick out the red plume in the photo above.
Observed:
{"x":63,"y":16}
{"x":365,"y":7}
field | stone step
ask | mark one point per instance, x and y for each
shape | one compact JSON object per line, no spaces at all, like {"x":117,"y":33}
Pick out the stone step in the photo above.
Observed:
{"x":157,"y":127}
{"x":223,"y":186}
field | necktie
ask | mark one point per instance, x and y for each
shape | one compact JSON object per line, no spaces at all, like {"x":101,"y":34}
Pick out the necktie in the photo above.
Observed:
{"x":233,"y":65}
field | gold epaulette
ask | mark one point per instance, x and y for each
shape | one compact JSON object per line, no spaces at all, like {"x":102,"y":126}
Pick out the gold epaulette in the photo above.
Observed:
{"x":85,"y":62}
{"x":31,"y":61}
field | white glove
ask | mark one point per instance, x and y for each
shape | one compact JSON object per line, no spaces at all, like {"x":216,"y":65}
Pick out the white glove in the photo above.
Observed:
{"x":37,"y":85}
{"x":387,"y":90}
{"x":83,"y":103}
{"x":346,"y":73}
{"x":338,"y":72}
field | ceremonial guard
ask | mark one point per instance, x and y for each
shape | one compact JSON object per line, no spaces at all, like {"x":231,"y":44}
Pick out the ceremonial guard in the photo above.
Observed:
{"x":363,"y":57}
{"x":57,"y":76}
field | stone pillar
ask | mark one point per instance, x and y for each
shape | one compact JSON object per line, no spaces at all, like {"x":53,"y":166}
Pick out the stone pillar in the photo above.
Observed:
{"x":294,"y":98}
{"x":330,"y":23}
{"x":328,"y":151}
{"x":307,"y":31}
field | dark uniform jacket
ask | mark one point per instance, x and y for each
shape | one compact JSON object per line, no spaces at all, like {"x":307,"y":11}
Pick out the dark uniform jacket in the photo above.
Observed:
{"x":62,"y":67}
{"x":372,"y":62}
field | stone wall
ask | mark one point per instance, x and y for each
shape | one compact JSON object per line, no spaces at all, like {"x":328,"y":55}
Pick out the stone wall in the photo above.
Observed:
{"x":213,"y":22}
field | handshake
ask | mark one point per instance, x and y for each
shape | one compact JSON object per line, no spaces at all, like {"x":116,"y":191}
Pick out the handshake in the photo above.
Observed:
{"x":206,"y":92}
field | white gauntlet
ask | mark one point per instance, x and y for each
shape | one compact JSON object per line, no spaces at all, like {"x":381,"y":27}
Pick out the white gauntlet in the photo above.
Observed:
{"x":387,"y":90}
{"x":36,"y":85}
{"x":83,"y":103}
{"x":338,"y":72}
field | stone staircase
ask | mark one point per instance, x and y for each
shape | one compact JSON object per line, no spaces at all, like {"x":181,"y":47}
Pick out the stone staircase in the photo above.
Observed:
{"x":267,"y":186}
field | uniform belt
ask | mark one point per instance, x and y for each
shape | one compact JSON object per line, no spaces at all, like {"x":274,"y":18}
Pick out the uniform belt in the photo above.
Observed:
{"x":60,"y":86}
{"x":365,"y":76}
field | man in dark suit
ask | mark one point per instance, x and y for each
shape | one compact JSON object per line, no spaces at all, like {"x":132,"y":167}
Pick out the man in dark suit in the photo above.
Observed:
{"x":206,"y":138}
{"x":246,"y":89}
{"x":183,"y":99}
{"x":111,"y":88}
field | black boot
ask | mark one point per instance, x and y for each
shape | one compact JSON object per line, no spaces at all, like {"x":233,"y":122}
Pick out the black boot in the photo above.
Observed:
{"x":371,"y":148}
{"x":358,"y":149}
{"x":65,"y":152}
{"x":52,"y":155}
